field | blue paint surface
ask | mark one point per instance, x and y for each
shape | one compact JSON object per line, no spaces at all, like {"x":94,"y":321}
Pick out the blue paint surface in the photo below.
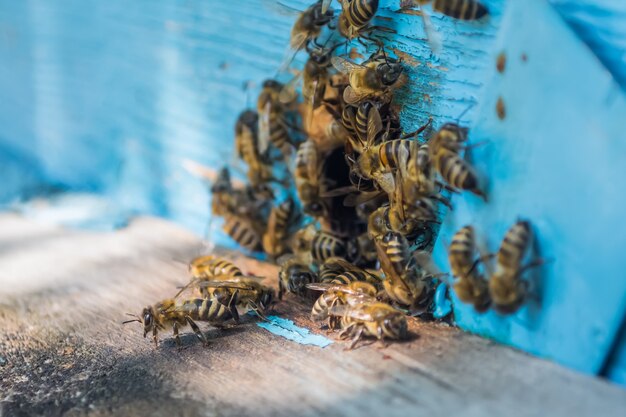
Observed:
{"x":555,"y":159}
{"x":112,"y":97}
{"x":287,"y":329}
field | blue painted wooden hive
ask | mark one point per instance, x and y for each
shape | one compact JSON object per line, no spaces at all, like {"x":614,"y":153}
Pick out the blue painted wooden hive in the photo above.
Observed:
{"x":112,"y":98}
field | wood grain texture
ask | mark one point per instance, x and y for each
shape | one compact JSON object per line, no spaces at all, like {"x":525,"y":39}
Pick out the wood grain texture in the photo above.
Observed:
{"x":64,"y":351}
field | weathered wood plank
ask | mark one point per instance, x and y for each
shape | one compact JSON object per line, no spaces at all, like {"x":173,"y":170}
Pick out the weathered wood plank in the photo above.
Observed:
{"x":63,"y":349}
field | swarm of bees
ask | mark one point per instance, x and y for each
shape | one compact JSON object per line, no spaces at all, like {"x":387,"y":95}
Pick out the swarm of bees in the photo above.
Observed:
{"x":344,"y":201}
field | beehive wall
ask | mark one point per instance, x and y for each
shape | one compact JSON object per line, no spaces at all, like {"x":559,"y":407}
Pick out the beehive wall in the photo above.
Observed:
{"x":112,"y":97}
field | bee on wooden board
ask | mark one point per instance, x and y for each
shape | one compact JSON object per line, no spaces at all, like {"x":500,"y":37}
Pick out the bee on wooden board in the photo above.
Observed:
{"x":294,"y":275}
{"x":251,"y":294}
{"x":376,"y":319}
{"x":470,"y":285}
{"x":174,"y":314}
{"x":338,"y":294}
{"x":211,"y":266}
{"x":507,"y":289}
{"x":336,"y":270}
{"x":327,"y":245}
{"x":375,"y":78}
{"x":275,"y":237}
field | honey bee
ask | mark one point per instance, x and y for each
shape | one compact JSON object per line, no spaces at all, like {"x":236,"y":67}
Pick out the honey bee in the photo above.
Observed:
{"x":338,"y":294}
{"x":309,"y":24}
{"x":171,"y":313}
{"x":507,"y":289}
{"x":336,"y":270}
{"x":315,"y":76}
{"x":273,"y":126}
{"x":376,"y":319}
{"x":242,"y":230}
{"x":301,"y":242}
{"x":251,"y":294}
{"x":378,"y":224}
{"x":470,"y":286}
{"x":374,"y":78}
{"x":308,"y":179}
{"x":444,"y":148}
{"x":355,"y":19}
{"x":221,"y":193}
{"x":326,"y":245}
{"x":275,"y":237}
{"x":246,"y":146}
{"x":211,"y":266}
{"x":458,"y":9}
{"x":368,"y":109}
{"x":405,"y":282}
{"x":294,"y":275}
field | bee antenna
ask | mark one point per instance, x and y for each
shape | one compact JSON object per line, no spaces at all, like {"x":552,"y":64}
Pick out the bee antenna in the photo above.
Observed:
{"x":458,"y":119}
{"x":136,"y":318}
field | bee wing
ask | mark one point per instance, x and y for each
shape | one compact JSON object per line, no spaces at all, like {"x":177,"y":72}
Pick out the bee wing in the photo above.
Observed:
{"x":348,"y":310}
{"x":345,"y":66}
{"x":354,"y":200}
{"x":281,"y":8}
{"x":288,"y":93}
{"x":355,"y":298}
{"x":325,"y":286}
{"x":398,"y":196}
{"x":434,"y":37}
{"x":350,"y":96}
{"x":264,"y":128}
{"x":313,"y":164}
{"x":224,"y":284}
{"x":325,"y":5}
{"x":385,"y":263}
{"x":386,"y":182}
{"x":374,"y":126}
{"x":285,"y":258}
{"x":336,"y":192}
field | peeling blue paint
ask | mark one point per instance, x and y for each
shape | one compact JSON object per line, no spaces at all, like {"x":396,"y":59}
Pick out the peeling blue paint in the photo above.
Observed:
{"x":287,"y":329}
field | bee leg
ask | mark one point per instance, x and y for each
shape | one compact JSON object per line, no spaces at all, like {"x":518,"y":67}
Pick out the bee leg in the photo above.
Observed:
{"x":358,"y":334}
{"x":197,"y":331}
{"x":281,"y":289}
{"x":418,"y":131}
{"x":381,"y":336}
{"x":154,"y":336}
{"x":347,"y":331}
{"x":257,"y":311}
{"x":176,"y":336}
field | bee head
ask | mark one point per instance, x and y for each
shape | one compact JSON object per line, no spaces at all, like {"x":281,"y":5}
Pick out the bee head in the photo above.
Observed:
{"x":389,"y":72}
{"x":395,"y":323}
{"x":248,"y":118}
{"x":456,"y":130}
{"x":147,"y":319}
{"x":272,"y":85}
{"x":314,"y":209}
{"x":298,"y":280}
{"x":267,"y":298}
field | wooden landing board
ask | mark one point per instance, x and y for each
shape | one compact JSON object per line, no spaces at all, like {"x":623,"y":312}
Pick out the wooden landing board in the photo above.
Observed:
{"x":63,"y":349}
